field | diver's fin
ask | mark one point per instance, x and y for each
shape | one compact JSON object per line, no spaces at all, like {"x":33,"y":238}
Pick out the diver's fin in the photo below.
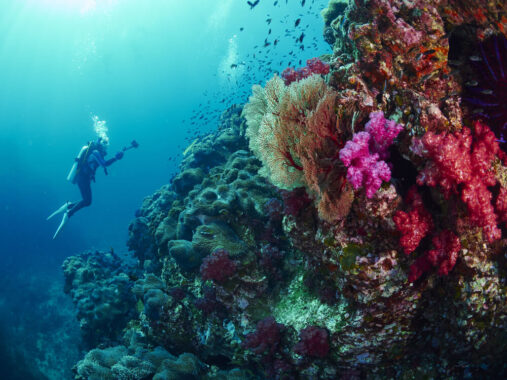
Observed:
{"x":64,"y":208}
{"x":62,"y":223}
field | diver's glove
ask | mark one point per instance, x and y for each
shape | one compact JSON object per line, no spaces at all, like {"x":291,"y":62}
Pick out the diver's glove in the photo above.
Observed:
{"x":119,"y":156}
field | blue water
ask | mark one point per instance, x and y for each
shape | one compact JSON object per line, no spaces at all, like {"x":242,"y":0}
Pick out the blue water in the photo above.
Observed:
{"x":149,"y":68}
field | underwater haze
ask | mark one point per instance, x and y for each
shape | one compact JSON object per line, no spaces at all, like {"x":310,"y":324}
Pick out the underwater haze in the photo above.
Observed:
{"x":156,"y":71}
{"x":253,"y":189}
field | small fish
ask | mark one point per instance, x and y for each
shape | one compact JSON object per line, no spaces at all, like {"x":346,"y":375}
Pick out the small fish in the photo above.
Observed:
{"x":455,"y":62}
{"x":471,"y":83}
{"x":428,"y":52}
{"x":269,"y":32}
{"x":233,"y":66}
{"x":487,"y":92}
{"x":475,"y":58}
{"x":254,"y":4}
{"x":300,"y":38}
{"x":266,"y":43}
{"x":275,"y":42}
{"x":426,"y":77}
{"x":297,"y":22}
{"x":303,"y":3}
{"x":241,"y":29}
{"x":275,"y":3}
{"x":269,"y":20}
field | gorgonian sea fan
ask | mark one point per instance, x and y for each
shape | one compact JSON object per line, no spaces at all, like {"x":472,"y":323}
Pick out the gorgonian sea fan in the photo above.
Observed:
{"x":488,"y":91}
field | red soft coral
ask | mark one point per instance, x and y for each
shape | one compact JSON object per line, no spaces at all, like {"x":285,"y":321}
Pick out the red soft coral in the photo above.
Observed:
{"x":501,"y":205}
{"x":462,"y":164}
{"x":443,"y":255}
{"x":415,"y":224}
{"x":313,"y":66}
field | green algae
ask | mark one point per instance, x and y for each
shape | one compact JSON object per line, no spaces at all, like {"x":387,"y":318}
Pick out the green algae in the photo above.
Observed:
{"x":348,"y":257}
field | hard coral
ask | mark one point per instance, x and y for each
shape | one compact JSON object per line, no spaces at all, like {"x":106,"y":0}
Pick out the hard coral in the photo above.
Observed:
{"x":364,"y":154}
{"x":314,"y":341}
{"x":217,"y":266}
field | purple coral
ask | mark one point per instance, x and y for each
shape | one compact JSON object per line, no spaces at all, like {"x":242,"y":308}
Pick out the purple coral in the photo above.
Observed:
{"x":217,"y":266}
{"x":314,"y":341}
{"x":364,"y":154}
{"x":266,"y":338}
{"x":208,"y":302}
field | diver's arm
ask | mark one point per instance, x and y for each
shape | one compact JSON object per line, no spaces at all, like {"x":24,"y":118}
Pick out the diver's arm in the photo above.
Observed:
{"x":100,"y":160}
{"x":117,"y":157}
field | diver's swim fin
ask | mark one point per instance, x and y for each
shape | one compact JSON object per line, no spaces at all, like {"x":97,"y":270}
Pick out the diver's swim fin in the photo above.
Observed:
{"x":62,"y":223}
{"x":64,"y":208}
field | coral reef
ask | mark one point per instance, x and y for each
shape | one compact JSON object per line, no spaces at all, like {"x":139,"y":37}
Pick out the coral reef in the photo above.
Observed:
{"x":313,"y":66}
{"x":101,"y":288}
{"x":351,"y":225}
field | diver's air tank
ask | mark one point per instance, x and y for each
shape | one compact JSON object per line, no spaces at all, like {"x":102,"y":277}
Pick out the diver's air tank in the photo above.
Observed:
{"x":73,"y":171}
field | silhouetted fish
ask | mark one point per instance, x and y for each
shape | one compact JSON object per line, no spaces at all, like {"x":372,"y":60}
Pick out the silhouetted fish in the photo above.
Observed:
{"x":254,"y":4}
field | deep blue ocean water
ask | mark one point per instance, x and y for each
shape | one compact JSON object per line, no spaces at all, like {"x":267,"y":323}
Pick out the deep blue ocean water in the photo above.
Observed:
{"x":158,"y":71}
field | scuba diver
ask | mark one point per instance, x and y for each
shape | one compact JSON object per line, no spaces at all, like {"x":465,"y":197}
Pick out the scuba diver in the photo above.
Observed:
{"x":89,"y":159}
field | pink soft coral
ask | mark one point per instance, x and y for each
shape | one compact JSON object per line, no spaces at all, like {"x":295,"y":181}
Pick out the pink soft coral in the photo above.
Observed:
{"x":364,"y":154}
{"x":383,"y":133}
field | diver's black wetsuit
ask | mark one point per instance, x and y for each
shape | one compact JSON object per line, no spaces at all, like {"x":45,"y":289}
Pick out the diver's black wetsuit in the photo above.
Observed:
{"x":84,"y":178}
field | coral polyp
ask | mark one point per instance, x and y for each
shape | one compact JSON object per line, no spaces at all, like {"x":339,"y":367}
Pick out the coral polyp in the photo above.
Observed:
{"x":488,"y":91}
